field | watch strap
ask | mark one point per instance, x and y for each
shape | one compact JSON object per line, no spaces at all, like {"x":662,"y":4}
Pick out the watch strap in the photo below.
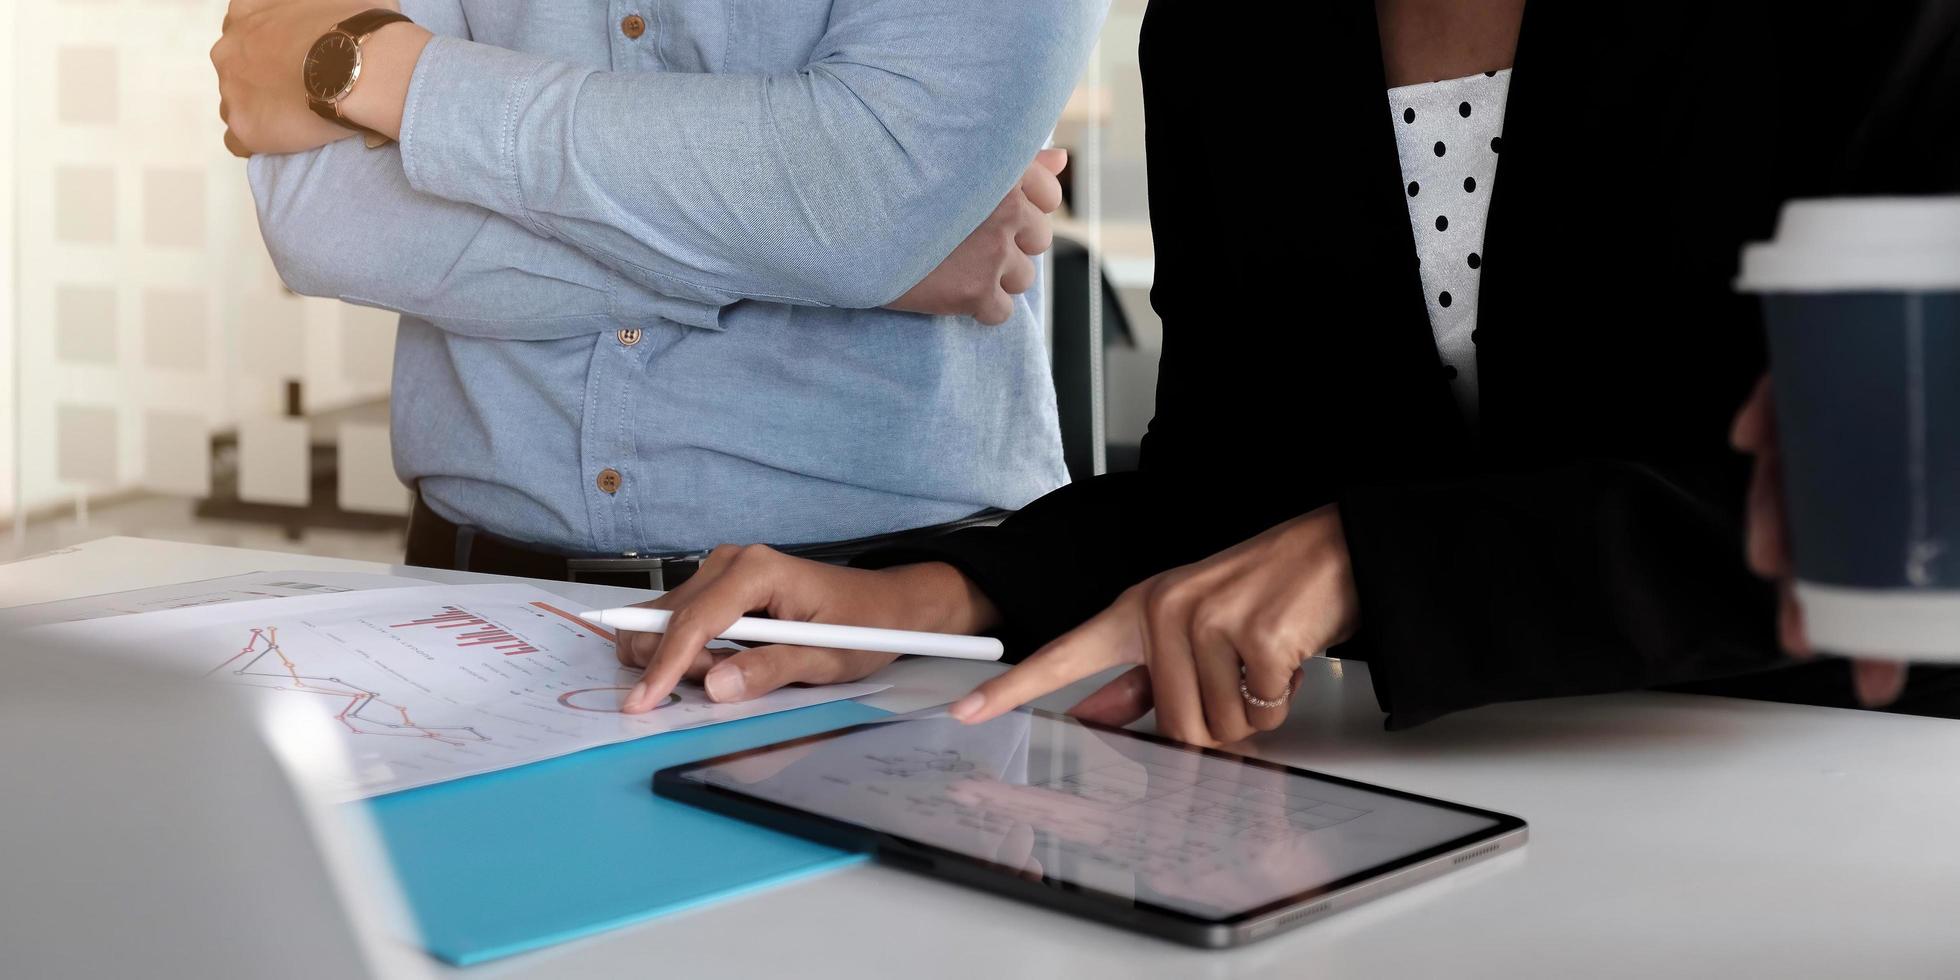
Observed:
{"x":367,"y":22}
{"x":359,"y":27}
{"x":325,"y":110}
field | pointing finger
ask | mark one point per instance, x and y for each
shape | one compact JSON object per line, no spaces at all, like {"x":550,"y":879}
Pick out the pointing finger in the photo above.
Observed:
{"x":1105,"y":641}
{"x":691,"y":626}
{"x":638,"y":649}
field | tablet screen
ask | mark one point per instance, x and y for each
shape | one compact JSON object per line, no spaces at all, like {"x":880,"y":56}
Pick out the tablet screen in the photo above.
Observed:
{"x":1203,"y":834}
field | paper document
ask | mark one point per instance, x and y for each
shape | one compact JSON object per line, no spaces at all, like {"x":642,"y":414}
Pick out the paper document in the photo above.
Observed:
{"x":425,"y":684}
{"x":248,"y":587}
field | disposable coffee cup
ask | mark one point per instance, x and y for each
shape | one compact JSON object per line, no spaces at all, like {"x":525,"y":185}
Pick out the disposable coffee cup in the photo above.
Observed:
{"x":1862,"y":300}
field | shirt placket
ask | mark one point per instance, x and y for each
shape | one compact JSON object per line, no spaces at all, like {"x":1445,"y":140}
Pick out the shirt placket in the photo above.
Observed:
{"x":607,"y":443}
{"x":635,"y":31}
{"x":614,"y":477}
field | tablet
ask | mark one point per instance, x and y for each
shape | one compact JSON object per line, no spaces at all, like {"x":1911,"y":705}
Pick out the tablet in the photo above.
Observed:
{"x":1194,"y":845}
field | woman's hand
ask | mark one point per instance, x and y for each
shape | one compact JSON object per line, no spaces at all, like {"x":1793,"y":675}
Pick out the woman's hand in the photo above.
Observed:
{"x":736,"y":581}
{"x":1250,"y":615}
{"x":1878,"y":682}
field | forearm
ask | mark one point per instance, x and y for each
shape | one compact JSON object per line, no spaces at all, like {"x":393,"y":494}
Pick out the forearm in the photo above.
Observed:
{"x":943,"y":599}
{"x":840,"y":184}
{"x":1066,"y":556}
{"x":387,"y":66}
{"x":342,"y":222}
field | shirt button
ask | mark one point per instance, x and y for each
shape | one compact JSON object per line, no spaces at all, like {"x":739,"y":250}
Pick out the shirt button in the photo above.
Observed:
{"x":633,"y":26}
{"x":629,"y":337}
{"x":609,"y":480}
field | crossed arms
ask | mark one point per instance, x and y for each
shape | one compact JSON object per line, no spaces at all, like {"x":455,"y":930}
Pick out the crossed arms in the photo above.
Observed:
{"x":532,"y":199}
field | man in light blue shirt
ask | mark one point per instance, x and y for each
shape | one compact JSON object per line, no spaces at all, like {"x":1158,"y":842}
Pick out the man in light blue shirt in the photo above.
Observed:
{"x":644,"y":251}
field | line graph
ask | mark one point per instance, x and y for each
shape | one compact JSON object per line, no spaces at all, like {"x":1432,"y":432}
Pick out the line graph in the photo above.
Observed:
{"x":359,"y":712}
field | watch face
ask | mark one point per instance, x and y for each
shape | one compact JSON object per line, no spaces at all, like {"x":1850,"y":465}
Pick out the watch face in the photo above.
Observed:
{"x":332,"y":66}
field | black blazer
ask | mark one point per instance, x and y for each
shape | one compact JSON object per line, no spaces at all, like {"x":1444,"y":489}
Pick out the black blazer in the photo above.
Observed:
{"x":1588,"y":539}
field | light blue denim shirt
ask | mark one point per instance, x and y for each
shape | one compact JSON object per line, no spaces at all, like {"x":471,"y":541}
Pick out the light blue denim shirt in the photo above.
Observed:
{"x":664,"y":255}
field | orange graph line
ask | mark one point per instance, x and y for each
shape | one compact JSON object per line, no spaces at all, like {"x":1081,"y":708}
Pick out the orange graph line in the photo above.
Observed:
{"x":357,"y":698}
{"x":555,"y":611}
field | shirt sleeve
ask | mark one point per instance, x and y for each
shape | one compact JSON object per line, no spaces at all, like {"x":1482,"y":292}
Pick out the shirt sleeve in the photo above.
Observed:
{"x":342,"y":221}
{"x":843,"y":183}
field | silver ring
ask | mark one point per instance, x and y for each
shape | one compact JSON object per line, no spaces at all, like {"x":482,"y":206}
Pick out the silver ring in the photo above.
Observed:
{"x":1257,"y":701}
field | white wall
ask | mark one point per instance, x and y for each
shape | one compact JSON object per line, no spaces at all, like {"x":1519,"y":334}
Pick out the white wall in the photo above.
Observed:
{"x":147,"y":314}
{"x":8,"y":470}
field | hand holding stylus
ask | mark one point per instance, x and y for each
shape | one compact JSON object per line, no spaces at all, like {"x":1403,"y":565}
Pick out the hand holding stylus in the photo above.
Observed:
{"x":798,"y":595}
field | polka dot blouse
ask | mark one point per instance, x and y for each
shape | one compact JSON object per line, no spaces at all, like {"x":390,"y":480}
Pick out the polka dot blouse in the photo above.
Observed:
{"x":1448,"y":135}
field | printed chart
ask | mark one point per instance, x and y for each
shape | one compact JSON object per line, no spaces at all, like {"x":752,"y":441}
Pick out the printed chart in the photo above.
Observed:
{"x":426,"y":684}
{"x":248,"y":587}
{"x":389,"y":719}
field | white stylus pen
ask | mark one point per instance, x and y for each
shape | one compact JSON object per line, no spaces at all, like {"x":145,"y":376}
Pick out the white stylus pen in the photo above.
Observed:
{"x":751,"y":630}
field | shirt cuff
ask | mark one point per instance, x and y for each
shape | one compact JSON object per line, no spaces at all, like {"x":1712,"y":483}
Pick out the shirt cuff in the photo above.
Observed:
{"x":631,"y":303}
{"x":459,"y":124}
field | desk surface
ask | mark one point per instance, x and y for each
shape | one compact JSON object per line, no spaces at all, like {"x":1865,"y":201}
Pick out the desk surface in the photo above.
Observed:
{"x":1672,"y":835}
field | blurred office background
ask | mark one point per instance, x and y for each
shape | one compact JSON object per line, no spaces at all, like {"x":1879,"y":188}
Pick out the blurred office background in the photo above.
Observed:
{"x":157,"y":379}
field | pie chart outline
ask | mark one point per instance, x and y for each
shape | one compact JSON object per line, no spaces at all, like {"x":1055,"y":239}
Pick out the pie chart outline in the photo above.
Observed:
{"x":566,"y":700}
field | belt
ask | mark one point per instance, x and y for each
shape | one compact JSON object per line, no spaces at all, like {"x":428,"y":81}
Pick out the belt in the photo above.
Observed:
{"x":435,"y":542}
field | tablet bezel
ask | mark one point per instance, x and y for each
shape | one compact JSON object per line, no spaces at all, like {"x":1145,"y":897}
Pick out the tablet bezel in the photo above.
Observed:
{"x":672,"y":782}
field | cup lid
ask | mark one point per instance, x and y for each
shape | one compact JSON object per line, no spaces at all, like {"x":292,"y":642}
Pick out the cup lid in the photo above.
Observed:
{"x":1858,"y":243}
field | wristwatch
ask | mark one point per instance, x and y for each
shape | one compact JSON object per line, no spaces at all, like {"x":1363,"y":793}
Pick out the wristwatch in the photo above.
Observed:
{"x":333,"y":65}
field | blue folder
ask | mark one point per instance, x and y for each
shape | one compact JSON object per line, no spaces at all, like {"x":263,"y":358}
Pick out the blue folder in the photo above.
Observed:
{"x":516,"y":860}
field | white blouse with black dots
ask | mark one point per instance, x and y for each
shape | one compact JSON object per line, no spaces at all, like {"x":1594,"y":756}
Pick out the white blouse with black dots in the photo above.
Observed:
{"x":1448,"y":135}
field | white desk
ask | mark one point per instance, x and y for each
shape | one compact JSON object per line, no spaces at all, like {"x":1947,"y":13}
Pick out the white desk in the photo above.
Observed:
{"x":1671,"y":836}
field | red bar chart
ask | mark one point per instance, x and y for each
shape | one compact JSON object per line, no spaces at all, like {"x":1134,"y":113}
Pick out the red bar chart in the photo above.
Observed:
{"x":476,"y":631}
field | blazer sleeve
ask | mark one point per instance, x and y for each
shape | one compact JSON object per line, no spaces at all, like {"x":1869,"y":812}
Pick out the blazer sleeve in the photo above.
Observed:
{"x":1224,"y":397}
{"x":1586,"y":578}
